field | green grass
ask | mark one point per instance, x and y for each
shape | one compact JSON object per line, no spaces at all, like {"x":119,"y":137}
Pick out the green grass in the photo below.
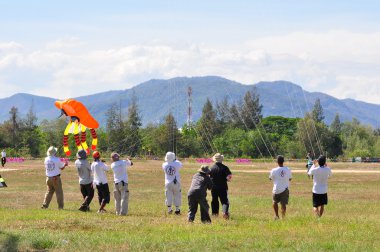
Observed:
{"x":351,"y":221}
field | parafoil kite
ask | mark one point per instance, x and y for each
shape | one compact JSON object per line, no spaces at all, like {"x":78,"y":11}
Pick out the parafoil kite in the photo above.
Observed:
{"x":80,"y":120}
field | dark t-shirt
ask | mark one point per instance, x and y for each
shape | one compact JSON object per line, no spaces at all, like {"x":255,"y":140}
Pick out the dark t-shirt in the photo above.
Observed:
{"x":218,"y":174}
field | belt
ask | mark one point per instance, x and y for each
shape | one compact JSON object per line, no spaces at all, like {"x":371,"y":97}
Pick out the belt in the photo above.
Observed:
{"x":59,"y":175}
{"x":121,"y":182}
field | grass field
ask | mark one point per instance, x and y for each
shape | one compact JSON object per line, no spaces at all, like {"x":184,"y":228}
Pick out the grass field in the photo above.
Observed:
{"x":351,"y":221}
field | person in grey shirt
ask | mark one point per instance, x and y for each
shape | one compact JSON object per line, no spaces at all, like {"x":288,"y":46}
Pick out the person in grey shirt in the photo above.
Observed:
{"x":85,"y":180}
{"x":197,"y":195}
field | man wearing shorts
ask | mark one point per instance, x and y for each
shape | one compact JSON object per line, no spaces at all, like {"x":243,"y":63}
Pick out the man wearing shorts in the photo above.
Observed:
{"x":99,"y":169}
{"x":320,"y":177}
{"x":280,"y":177}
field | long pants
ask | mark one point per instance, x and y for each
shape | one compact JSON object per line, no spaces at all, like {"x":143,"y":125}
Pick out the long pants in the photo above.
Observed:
{"x":3,"y":161}
{"x":173,"y":194}
{"x":87,"y":193}
{"x":221,"y":194}
{"x":194,"y":200}
{"x":54,"y":184}
{"x":121,"y":194}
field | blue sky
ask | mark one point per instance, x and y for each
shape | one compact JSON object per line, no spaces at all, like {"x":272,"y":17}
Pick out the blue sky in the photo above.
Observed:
{"x":61,"y":48}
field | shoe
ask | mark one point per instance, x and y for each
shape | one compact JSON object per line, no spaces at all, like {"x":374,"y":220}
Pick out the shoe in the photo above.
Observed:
{"x":83,"y":208}
{"x":226,"y":216}
{"x":170,"y":211}
{"x":276,"y":218}
{"x":177,"y":212}
{"x":102,"y":211}
{"x":215,"y":214}
{"x":190,"y":221}
{"x":44,"y":207}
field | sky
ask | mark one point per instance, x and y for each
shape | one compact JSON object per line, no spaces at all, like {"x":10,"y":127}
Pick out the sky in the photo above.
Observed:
{"x":66,"y":49}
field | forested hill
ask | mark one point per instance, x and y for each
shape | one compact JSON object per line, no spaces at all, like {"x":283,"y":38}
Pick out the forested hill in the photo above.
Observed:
{"x":156,"y":98}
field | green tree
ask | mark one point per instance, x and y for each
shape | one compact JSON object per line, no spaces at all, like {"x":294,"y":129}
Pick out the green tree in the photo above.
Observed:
{"x":115,"y":129}
{"x":207,"y":125}
{"x":132,"y":128}
{"x":251,"y":110}
{"x":317,"y":112}
{"x":336,"y":125}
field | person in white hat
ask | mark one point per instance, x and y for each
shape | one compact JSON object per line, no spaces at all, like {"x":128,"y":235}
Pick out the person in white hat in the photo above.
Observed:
{"x":197,"y":195}
{"x":171,"y":168}
{"x":85,"y":180}
{"x":53,"y":167}
{"x":3,"y":158}
{"x":121,"y":191}
{"x":220,"y":174}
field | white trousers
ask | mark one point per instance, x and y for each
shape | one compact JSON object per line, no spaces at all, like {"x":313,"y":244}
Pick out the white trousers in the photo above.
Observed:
{"x":173,"y":194}
{"x":121,"y":194}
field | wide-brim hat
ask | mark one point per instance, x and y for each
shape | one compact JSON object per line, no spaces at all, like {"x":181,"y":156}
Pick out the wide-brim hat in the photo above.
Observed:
{"x":82,"y":154}
{"x":218,"y":158}
{"x":115,"y":156}
{"x":170,"y":156}
{"x":204,"y":169}
{"x":51,"y":151}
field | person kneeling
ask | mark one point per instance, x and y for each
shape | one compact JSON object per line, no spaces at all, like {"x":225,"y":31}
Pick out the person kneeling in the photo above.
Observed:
{"x":197,"y":195}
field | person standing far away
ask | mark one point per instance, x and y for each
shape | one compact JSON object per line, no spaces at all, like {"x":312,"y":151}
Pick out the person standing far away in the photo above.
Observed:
{"x":197,"y":194}
{"x":3,"y":158}
{"x":320,"y":177}
{"x":220,"y":175}
{"x":121,"y":192}
{"x":85,"y":180}
{"x":309,"y":163}
{"x":99,"y":169}
{"x":280,"y":177}
{"x":53,"y":167}
{"x":171,"y":167}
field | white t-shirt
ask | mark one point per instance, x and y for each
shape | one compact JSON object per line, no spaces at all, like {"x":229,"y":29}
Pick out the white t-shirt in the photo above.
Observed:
{"x":280,"y":177}
{"x":320,"y":178}
{"x":120,"y":170}
{"x":99,"y":168}
{"x":3,"y":154}
{"x":53,"y":166}
{"x":171,"y":170}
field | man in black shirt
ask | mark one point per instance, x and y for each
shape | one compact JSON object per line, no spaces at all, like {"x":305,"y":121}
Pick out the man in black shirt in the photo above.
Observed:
{"x":220,"y":174}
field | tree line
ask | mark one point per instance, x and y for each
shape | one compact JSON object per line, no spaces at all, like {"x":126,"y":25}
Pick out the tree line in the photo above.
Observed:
{"x":234,"y":129}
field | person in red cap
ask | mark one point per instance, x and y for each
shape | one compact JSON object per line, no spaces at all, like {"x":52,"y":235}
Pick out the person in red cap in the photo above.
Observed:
{"x":100,"y":180}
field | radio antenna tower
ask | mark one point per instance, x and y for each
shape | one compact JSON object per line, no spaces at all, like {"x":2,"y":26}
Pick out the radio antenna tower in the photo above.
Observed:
{"x":189,"y":104}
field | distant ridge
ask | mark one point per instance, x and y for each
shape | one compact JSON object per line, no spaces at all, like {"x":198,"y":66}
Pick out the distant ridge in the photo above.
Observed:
{"x":156,"y":98}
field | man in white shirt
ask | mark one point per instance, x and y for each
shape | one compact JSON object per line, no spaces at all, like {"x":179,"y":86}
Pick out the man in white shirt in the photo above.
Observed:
{"x":100,"y":180}
{"x":121,"y":192}
{"x":53,"y":167}
{"x":3,"y":158}
{"x":320,"y":177}
{"x":280,"y":177}
{"x":172,"y":182}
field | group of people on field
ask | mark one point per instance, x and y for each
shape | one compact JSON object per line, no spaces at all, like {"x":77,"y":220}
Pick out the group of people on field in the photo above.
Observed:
{"x":215,"y":178}
{"x":282,"y":175}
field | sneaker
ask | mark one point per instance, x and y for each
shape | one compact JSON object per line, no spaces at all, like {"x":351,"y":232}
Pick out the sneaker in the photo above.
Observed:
{"x":44,"y":207}
{"x":177,"y":212}
{"x":276,"y":218}
{"x":226,"y":216}
{"x":83,"y":209}
{"x":170,"y":211}
{"x":102,"y":211}
{"x":190,"y":221}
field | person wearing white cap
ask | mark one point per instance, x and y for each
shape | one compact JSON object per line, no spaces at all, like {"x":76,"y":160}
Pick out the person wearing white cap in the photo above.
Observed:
{"x":121,"y":191}
{"x":53,"y":166}
{"x":220,"y":174}
{"x":171,"y":168}
{"x":3,"y":158}
{"x":85,"y":180}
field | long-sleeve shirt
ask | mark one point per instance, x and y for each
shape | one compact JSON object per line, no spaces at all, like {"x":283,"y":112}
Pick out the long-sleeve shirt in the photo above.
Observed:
{"x":219,"y":173}
{"x":199,"y":185}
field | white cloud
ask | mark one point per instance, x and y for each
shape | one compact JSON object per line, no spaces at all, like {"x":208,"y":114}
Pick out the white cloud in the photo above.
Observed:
{"x":339,"y":63}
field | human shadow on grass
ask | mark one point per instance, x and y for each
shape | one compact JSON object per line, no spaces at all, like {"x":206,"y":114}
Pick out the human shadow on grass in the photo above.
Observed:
{"x":10,"y":242}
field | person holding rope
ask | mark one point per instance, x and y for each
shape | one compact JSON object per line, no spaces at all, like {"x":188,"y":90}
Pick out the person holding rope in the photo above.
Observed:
{"x":171,"y":168}
{"x":53,"y":167}
{"x":320,"y":175}
{"x":220,"y":175}
{"x":99,"y":168}
{"x":280,"y":177}
{"x":121,"y":192}
{"x":85,"y":180}
{"x":309,"y":163}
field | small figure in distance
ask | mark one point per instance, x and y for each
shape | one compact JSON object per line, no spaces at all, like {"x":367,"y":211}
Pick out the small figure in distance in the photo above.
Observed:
{"x":99,"y":169}
{"x":280,"y":177}
{"x":197,"y":195}
{"x":3,"y":158}
{"x":320,"y":175}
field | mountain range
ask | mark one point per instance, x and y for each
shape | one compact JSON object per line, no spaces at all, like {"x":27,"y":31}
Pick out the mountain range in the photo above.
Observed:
{"x":156,"y":98}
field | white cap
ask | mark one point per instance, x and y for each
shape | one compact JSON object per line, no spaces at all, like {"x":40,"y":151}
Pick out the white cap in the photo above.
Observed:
{"x":170,"y":156}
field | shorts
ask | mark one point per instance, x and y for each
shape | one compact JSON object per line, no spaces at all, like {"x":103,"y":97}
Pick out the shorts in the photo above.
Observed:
{"x":282,"y":198}
{"x":319,"y":199}
{"x":103,"y":193}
